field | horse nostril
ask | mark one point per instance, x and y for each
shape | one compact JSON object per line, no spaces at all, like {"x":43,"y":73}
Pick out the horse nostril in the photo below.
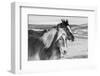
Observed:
{"x":65,"y":52}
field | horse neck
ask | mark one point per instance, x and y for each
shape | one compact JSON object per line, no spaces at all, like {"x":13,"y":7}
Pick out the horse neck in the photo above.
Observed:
{"x":54,"y":40}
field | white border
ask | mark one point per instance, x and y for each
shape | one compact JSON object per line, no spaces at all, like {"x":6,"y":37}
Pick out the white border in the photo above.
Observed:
{"x":19,"y":38}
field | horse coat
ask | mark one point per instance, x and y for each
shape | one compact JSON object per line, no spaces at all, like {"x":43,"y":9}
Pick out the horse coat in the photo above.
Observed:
{"x":43,"y":47}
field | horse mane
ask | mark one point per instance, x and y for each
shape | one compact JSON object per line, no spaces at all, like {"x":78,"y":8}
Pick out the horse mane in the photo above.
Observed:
{"x":48,"y":37}
{"x":46,"y":53}
{"x":36,"y":34}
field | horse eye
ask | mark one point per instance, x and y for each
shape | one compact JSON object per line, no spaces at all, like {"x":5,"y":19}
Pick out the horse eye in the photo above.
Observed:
{"x":60,"y":38}
{"x":65,"y":38}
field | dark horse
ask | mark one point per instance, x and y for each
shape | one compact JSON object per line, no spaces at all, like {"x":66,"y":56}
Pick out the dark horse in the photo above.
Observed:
{"x":51,"y":44}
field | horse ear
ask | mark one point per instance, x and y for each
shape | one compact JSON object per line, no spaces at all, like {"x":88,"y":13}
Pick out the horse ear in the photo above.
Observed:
{"x":48,"y":37}
{"x":67,"y":22}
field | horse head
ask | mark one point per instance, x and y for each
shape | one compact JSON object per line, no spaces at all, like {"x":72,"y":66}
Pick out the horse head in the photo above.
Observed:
{"x":64,"y":34}
{"x":58,"y":36}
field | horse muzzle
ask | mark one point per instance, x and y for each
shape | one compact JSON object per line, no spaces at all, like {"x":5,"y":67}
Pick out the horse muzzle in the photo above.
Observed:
{"x":63,"y":51}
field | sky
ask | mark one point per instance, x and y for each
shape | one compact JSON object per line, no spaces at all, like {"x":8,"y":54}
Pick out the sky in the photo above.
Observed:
{"x":39,"y":19}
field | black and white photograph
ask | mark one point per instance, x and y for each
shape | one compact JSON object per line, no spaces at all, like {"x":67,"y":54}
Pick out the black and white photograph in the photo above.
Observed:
{"x":52,"y":37}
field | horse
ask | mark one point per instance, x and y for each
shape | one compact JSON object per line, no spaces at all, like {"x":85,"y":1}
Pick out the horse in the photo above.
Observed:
{"x":51,"y":44}
{"x":63,"y":37}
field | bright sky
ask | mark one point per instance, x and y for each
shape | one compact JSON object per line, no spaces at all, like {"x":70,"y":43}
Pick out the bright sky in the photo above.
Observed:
{"x":55,"y":20}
